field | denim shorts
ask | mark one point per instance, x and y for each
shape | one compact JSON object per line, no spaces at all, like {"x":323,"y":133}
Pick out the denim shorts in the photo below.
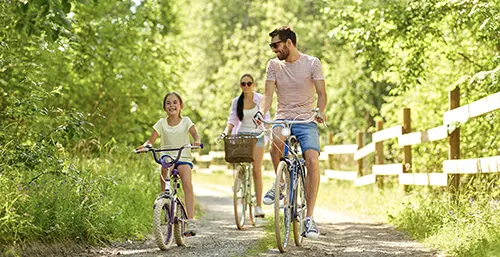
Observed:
{"x":260,"y":141}
{"x":307,"y":134}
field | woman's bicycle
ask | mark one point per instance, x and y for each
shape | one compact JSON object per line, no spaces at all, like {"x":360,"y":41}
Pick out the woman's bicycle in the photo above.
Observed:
{"x":238,"y":150}
{"x":170,"y":216}
{"x":290,"y":206}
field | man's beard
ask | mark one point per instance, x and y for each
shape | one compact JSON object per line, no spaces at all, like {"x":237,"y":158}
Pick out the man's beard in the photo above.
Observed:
{"x":284,"y":53}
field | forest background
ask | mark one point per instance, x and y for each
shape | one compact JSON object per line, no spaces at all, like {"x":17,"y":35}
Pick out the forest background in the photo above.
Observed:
{"x":82,"y":83}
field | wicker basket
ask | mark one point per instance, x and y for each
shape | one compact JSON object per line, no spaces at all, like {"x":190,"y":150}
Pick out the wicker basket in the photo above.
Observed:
{"x":239,"y":148}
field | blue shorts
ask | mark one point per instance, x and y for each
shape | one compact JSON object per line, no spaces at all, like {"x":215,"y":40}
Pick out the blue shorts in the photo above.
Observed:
{"x":260,"y":141}
{"x":177,"y":163}
{"x":184,"y":163}
{"x":307,"y":134}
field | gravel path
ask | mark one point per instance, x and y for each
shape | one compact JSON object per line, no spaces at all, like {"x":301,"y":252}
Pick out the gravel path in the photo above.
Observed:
{"x":341,"y":235}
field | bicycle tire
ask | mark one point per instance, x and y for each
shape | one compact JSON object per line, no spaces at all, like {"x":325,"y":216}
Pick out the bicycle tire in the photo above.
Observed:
{"x":180,"y":224}
{"x":300,"y":208}
{"x":162,"y":223}
{"x":282,"y":216}
{"x":239,"y":200}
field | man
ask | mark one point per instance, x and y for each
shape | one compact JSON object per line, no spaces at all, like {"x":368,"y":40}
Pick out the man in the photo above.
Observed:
{"x":300,"y":87}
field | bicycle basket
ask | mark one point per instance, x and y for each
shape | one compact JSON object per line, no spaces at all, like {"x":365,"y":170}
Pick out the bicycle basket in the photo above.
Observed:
{"x":239,"y":148}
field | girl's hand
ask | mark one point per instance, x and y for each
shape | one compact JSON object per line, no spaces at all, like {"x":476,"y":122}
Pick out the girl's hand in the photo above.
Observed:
{"x":196,"y":143}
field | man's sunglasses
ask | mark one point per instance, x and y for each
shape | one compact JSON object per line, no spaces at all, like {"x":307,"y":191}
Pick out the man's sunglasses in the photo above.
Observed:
{"x":275,"y":44}
{"x":249,"y":84}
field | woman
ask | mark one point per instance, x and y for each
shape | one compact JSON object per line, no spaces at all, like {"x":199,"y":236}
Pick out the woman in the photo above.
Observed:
{"x":243,"y":109}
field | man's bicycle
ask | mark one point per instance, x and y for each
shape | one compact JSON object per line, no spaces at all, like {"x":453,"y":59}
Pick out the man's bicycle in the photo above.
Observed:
{"x":170,"y":216}
{"x":290,"y":206}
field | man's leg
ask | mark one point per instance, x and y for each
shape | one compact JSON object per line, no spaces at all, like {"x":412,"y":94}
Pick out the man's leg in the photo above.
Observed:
{"x":276,"y":151}
{"x":312,"y":180}
{"x":308,"y":136}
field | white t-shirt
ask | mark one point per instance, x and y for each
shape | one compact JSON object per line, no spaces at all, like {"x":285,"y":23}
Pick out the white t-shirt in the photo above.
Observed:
{"x":175,"y":137}
{"x":247,"y":124}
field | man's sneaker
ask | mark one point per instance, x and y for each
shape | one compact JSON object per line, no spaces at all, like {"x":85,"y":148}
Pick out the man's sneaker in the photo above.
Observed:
{"x":259,"y":213}
{"x":312,"y":230}
{"x":269,"y":197}
{"x":191,"y":228}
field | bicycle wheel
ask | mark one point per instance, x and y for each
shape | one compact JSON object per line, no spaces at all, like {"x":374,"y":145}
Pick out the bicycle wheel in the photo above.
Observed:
{"x":300,"y":209}
{"x":239,"y":195}
{"x":282,"y":212}
{"x":162,"y":223}
{"x":180,"y":223}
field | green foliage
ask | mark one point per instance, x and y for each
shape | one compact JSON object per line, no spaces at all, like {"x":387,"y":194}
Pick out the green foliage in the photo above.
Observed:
{"x":81,"y":79}
{"x":463,"y":226}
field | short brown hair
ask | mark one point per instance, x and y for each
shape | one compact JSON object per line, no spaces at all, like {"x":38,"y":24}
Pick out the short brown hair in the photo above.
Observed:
{"x":284,"y":33}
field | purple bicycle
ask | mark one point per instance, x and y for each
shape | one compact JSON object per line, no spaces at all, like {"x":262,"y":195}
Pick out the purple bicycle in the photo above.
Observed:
{"x":170,"y":214}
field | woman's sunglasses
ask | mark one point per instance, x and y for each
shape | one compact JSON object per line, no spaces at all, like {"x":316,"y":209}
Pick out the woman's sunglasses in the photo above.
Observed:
{"x":248,"y":84}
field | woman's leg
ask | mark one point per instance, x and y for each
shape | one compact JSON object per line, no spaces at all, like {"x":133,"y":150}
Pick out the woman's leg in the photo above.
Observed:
{"x":187,"y":186}
{"x":257,"y":173}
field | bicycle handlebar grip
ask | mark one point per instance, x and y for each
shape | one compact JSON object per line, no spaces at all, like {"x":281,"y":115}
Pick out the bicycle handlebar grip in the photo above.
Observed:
{"x":201,"y":146}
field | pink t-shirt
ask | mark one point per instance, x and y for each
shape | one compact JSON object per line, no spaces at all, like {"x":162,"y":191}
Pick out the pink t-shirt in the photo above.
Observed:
{"x":295,"y":85}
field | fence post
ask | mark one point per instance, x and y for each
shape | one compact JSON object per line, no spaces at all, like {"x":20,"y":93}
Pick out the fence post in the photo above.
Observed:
{"x":407,"y":164}
{"x":359,"y":142}
{"x":454,"y":140}
{"x":330,"y":156}
{"x":379,"y":148}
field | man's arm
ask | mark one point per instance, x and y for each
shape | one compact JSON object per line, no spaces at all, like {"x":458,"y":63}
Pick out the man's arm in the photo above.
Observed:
{"x":322,"y":99}
{"x":267,"y":99}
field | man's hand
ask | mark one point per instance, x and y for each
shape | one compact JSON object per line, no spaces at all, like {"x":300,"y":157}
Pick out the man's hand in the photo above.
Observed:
{"x":258,"y":118}
{"x":321,"y":118}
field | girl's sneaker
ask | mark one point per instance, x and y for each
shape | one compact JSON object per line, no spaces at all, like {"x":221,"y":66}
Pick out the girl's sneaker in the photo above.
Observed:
{"x":191,"y":228}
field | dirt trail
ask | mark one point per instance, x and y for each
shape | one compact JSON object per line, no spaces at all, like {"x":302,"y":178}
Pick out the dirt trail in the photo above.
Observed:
{"x":341,"y":235}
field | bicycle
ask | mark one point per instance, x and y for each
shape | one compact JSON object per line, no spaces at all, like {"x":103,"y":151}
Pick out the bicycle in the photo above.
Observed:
{"x":290,"y":206}
{"x":238,"y":150}
{"x":169,"y":215}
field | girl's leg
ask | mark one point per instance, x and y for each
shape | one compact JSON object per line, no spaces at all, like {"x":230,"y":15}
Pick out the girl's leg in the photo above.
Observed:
{"x":163,"y":175}
{"x":257,"y":173}
{"x":187,"y":186}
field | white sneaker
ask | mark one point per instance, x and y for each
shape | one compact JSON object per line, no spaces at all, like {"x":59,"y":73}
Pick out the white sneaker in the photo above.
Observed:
{"x":258,"y":212}
{"x":191,"y":228}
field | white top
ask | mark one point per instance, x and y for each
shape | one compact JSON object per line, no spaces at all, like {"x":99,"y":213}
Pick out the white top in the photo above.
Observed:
{"x":175,"y":137}
{"x":247,"y":124}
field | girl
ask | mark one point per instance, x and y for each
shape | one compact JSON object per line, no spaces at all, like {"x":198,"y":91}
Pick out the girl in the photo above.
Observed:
{"x":243,"y":108}
{"x":174,"y":132}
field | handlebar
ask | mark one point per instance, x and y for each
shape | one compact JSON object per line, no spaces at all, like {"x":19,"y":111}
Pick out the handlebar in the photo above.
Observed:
{"x":149,"y":148}
{"x":258,"y":118}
